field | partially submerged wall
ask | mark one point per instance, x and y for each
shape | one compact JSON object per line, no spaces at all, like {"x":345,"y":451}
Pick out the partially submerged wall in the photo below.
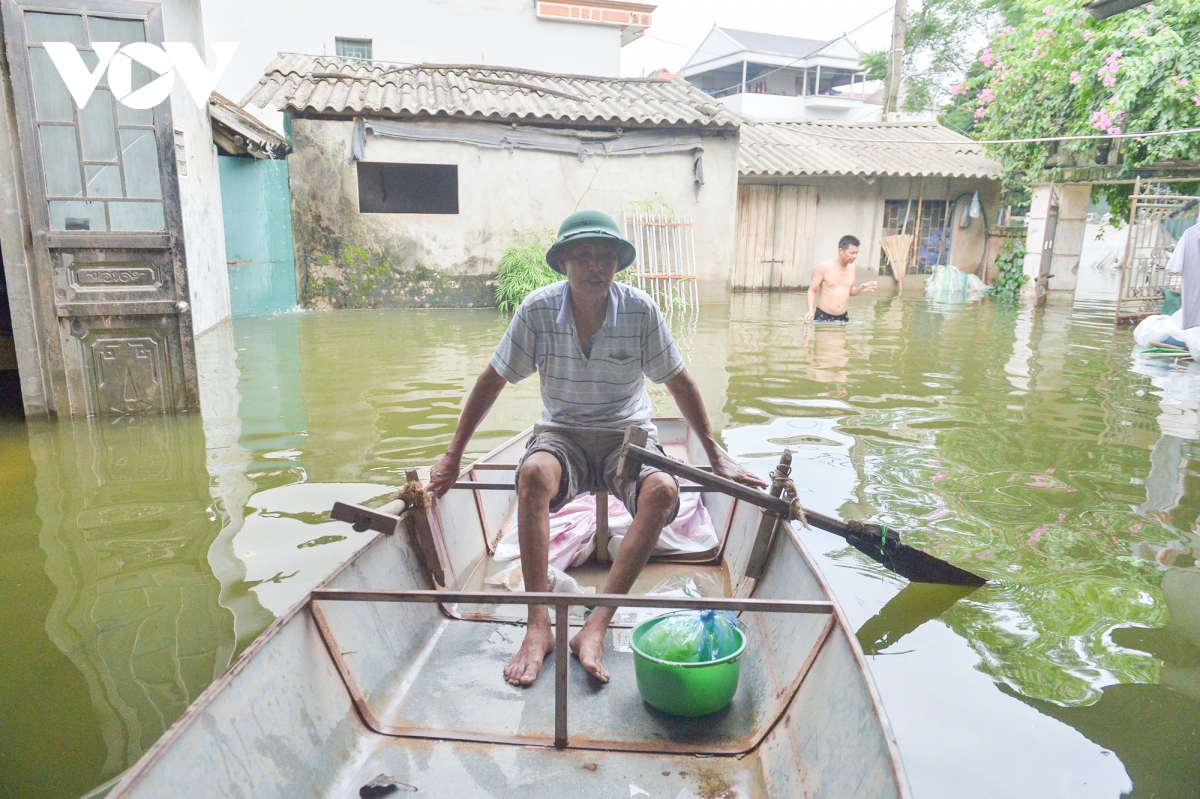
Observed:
{"x":347,"y":259}
{"x":849,"y":205}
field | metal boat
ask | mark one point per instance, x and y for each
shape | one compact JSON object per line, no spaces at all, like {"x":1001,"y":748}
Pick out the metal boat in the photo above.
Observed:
{"x":387,"y":677}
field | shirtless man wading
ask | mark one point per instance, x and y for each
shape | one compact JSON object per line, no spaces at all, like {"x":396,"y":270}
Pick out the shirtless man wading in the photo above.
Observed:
{"x":834,"y":279}
{"x":593,"y":343}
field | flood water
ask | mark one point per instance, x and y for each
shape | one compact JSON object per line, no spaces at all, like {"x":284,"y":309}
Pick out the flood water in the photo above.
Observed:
{"x":139,"y":556}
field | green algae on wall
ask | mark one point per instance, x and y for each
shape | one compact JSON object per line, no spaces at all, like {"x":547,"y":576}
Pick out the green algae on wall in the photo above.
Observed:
{"x":356,"y":278}
{"x":347,"y":259}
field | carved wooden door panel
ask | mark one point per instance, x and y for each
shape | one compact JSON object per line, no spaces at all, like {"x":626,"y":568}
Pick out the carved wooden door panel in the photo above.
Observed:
{"x":104,"y":216}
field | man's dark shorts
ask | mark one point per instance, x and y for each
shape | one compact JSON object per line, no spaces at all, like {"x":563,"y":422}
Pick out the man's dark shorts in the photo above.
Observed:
{"x":589,"y":459}
{"x":821,"y":316}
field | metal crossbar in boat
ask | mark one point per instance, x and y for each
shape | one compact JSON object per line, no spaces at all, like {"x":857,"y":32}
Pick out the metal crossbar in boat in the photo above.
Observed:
{"x":672,"y":735}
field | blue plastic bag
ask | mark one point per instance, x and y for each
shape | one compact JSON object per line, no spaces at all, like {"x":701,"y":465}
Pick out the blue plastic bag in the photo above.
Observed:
{"x":692,"y":637}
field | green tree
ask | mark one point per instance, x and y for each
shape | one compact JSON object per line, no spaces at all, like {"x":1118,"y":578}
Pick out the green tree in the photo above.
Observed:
{"x":940,"y":48}
{"x":1060,"y":72}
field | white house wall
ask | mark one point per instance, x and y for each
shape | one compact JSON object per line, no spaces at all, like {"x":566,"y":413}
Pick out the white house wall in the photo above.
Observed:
{"x":450,"y":260}
{"x":199,"y":190}
{"x":494,"y":32}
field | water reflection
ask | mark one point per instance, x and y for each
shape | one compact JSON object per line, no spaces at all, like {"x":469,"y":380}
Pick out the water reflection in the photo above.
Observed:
{"x":1009,"y":439}
{"x":126,"y":520}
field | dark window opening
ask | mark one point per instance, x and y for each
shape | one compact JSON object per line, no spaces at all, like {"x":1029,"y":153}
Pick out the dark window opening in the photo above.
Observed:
{"x":353,"y":48}
{"x":407,"y":188}
{"x":10,"y":380}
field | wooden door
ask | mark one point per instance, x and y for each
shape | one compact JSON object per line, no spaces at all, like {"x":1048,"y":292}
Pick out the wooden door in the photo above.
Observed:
{"x":103,"y":208}
{"x":775,"y":231}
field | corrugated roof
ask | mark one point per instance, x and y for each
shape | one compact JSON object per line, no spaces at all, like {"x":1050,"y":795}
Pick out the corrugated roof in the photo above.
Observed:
{"x":324,"y":84}
{"x":842,"y":148}
{"x":774,"y":43}
{"x":236,"y":132}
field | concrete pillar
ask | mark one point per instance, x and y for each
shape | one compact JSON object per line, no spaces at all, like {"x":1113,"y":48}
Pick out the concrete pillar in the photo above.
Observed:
{"x":1073,"y":201}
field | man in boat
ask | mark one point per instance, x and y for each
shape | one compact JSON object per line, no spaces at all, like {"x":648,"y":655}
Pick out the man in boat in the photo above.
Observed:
{"x":593,"y":343}
{"x":834,"y":280}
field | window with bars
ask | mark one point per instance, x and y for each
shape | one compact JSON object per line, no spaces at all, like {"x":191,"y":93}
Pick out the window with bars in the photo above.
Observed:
{"x":100,"y":162}
{"x":353,"y":48}
{"x":932,"y":217}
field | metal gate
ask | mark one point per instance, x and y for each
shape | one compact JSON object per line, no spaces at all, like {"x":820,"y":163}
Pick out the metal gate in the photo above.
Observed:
{"x":1156,"y":221}
{"x":106,"y":255}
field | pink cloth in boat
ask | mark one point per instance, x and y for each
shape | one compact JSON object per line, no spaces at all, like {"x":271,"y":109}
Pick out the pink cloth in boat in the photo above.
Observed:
{"x":574,"y":527}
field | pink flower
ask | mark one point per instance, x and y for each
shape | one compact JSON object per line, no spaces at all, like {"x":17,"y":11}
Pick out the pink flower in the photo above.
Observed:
{"x":1043,"y":33}
{"x":1196,"y":99}
{"x":1107,"y":121}
{"x":1088,"y":36}
{"x":1048,"y":10}
{"x":1181,"y":81}
{"x":1136,"y":32}
{"x":986,"y":58}
{"x":1108,"y":73}
{"x":1075,"y":77}
{"x":956,"y":89}
{"x":987,"y":95}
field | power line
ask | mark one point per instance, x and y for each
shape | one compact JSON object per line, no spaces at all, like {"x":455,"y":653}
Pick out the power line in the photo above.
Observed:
{"x":1032,"y":140}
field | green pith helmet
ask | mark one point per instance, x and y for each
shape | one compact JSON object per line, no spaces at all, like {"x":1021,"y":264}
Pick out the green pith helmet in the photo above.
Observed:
{"x":589,"y":225}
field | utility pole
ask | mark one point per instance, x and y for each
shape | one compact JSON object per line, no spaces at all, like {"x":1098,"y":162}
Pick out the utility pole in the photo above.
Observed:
{"x":895,"y":64}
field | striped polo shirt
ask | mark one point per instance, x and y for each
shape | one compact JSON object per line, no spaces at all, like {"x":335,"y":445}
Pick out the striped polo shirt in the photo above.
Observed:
{"x":606,"y":389}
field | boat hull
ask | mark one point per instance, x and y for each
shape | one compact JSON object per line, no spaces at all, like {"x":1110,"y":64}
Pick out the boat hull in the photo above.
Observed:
{"x":337,"y":693}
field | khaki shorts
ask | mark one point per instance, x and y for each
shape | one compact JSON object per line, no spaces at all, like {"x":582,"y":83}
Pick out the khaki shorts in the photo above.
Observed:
{"x":589,"y":458}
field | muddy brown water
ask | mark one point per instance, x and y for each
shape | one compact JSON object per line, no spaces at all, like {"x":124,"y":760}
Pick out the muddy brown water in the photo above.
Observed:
{"x":139,"y":556}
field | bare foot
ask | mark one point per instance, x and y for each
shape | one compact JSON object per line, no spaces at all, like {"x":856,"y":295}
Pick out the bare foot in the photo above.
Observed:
{"x":589,"y":648}
{"x":524,"y":667}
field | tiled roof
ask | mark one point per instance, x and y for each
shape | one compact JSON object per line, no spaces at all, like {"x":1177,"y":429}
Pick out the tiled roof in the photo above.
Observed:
{"x":841,"y":148}
{"x":324,"y":84}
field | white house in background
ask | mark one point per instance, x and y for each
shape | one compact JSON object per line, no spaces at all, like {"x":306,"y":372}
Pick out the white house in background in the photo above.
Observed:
{"x":769,"y":76}
{"x":578,"y":37}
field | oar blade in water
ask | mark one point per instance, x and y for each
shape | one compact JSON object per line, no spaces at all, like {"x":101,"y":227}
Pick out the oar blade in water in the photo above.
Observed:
{"x":915,"y":565}
{"x":884,"y":546}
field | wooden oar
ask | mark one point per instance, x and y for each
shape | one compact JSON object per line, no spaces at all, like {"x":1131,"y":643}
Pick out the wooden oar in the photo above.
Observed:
{"x":873,"y":540}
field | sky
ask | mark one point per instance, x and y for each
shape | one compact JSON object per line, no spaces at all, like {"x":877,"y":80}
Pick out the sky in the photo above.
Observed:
{"x":678,"y":26}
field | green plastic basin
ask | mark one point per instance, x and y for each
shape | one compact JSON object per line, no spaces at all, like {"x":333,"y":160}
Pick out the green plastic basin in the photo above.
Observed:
{"x":685,"y":689}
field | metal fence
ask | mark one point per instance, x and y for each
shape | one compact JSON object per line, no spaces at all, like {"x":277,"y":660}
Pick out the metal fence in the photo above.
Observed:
{"x":1156,"y":221}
